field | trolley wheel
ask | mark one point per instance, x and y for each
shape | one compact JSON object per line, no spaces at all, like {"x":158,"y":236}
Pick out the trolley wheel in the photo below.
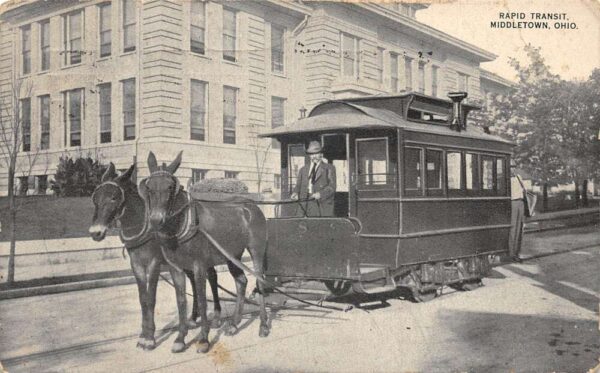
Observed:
{"x":337,"y":287}
{"x":423,"y":296}
{"x":467,"y":285}
{"x":471,"y":285}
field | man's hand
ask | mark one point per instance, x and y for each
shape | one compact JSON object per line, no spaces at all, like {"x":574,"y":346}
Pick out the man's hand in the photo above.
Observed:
{"x":316,"y":195}
{"x":294,"y":196}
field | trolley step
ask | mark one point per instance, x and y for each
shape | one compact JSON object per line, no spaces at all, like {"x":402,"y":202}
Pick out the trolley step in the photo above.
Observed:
{"x":374,"y":279}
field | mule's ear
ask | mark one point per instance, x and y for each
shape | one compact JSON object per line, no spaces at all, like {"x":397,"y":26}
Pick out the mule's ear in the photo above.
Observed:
{"x":143,"y":188}
{"x":127,"y":174}
{"x":175,"y":164}
{"x":109,"y":174}
{"x":152,"y":164}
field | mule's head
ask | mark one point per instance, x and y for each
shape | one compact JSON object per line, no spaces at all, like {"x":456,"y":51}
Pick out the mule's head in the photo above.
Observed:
{"x":159,"y":191}
{"x":109,"y":200}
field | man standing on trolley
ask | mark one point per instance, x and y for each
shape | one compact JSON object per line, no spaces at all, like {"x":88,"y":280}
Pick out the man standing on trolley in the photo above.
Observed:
{"x":316,"y":181}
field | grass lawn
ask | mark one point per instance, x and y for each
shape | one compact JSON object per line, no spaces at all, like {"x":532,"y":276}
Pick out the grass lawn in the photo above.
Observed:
{"x":48,"y":217}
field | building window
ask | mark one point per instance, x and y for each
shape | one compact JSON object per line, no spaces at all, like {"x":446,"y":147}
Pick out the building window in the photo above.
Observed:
{"x":129,"y":35}
{"x":73,"y":37}
{"x":45,"y":45}
{"x":277,"y":116}
{"x":198,"y":110}
{"x":394,"y":72}
{"x":421,"y":77}
{"x":73,"y":105}
{"x":129,"y":109}
{"x":462,"y":84}
{"x":198,"y":174}
{"x":26,"y":49}
{"x":276,"y":181}
{"x":277,"y":44}
{"x":42,"y":184}
{"x":105,"y":30}
{"x":23,"y":185}
{"x":26,"y":124}
{"x":350,"y":56}
{"x":104,"y":91}
{"x":229,"y":114}
{"x":434,"y":81}
{"x":197,"y":26}
{"x":45,"y":122}
{"x":229,"y":35}
{"x":379,"y":64}
{"x":231,"y":174}
{"x":408,"y":73}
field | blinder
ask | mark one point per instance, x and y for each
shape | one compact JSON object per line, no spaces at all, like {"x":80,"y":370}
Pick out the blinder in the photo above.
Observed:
{"x":121,"y":203}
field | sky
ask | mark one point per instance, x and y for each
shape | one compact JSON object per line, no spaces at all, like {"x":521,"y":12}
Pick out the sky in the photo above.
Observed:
{"x":571,"y":53}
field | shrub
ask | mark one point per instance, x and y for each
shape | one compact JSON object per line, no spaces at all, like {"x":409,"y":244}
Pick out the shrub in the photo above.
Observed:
{"x":77,"y":178}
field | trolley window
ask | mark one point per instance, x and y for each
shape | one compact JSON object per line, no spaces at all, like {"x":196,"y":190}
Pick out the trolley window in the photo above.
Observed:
{"x":472,"y":174}
{"x":500,"y":177}
{"x":487,"y":174}
{"x":413,"y":180}
{"x":454,"y":171}
{"x":373,"y":162}
{"x":296,"y":159}
{"x":433,"y":171}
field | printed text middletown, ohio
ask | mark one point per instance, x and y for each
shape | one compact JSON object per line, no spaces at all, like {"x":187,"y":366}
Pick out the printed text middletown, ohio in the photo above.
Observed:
{"x":532,"y":20}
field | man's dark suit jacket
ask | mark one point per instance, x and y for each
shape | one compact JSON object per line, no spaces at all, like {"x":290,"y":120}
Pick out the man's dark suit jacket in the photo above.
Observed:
{"x":324,"y":184}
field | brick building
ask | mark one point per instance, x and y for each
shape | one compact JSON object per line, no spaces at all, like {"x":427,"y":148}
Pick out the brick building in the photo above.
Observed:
{"x":115,"y":79}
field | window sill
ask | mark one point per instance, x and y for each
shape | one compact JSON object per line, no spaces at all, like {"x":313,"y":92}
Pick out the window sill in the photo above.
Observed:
{"x":43,"y":72}
{"x":282,"y":75}
{"x":236,"y":63}
{"x":28,"y":75}
{"x":123,"y":54}
{"x":200,"y":55}
{"x":105,"y":58}
{"x":66,"y":67}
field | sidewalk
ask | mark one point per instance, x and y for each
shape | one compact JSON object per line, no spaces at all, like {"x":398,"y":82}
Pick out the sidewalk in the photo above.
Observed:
{"x":71,"y":264}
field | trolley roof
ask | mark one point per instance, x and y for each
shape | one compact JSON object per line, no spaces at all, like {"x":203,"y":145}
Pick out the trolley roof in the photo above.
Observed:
{"x":374,"y":113}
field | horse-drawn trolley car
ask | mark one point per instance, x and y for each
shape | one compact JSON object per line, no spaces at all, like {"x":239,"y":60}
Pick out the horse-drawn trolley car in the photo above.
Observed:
{"x":422,"y":200}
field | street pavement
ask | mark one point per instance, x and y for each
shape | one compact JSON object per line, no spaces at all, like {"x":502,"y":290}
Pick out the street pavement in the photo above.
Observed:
{"x":537,"y":316}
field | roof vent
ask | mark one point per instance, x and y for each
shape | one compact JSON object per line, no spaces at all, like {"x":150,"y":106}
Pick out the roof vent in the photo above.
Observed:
{"x":458,"y":122}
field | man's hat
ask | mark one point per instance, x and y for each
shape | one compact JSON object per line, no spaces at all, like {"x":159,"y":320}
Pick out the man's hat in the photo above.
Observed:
{"x":314,"y":147}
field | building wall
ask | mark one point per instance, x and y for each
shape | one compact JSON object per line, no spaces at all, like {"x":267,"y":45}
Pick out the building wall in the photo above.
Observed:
{"x":163,"y":67}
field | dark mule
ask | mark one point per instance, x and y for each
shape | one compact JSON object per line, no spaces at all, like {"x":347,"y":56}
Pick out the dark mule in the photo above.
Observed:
{"x":117,"y":199}
{"x":235,"y":226}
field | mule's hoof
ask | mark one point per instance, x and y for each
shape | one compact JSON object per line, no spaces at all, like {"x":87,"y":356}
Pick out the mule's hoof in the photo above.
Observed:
{"x":202,"y":347}
{"x":192,"y":324}
{"x":178,"y":347}
{"x":264,"y":331}
{"x":146,"y":344}
{"x":216,"y":323}
{"x":230,"y":329}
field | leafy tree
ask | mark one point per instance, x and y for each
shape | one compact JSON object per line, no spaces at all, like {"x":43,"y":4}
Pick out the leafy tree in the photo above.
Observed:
{"x":77,"y":178}
{"x":550,"y":120}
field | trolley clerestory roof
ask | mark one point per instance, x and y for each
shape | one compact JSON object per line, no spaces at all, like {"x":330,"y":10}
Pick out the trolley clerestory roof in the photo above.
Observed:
{"x":343,"y":116}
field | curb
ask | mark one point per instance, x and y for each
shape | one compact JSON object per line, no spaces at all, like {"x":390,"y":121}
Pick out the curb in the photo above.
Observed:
{"x":75,"y":285}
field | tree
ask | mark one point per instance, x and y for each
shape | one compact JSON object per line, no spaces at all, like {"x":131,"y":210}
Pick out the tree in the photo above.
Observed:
{"x":530,"y":116}
{"x":14,"y":128}
{"x":77,"y":178}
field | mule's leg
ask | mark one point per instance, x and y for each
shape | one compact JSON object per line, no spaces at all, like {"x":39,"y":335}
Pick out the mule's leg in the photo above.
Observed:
{"x":139,"y":271}
{"x":257,"y":246}
{"x":214,"y":287}
{"x":179,"y":282}
{"x":192,"y":321}
{"x":153,"y":273}
{"x":200,"y":278}
{"x":264,"y":325}
{"x":240,"y":286}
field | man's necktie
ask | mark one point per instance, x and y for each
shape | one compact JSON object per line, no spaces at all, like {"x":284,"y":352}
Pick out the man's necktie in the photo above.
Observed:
{"x":313,"y":173}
